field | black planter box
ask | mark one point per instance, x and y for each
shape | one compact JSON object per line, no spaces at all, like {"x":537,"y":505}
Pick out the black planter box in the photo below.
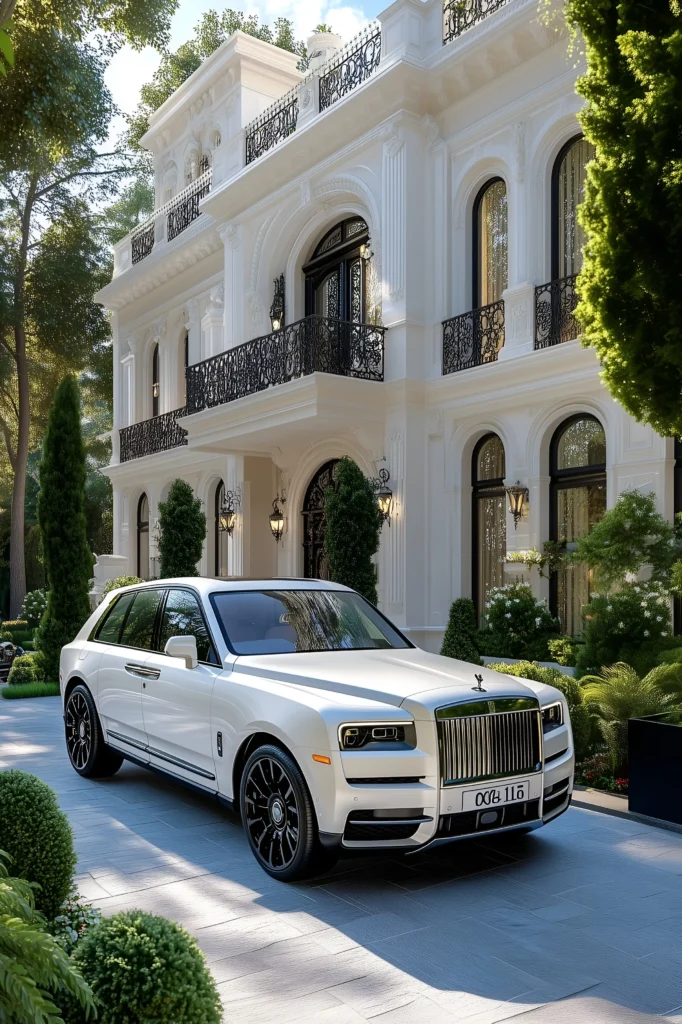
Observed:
{"x":655,"y":753}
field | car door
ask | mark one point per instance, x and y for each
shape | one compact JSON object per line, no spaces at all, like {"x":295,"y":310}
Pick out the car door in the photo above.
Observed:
{"x":177,"y":704}
{"x":122,"y":675}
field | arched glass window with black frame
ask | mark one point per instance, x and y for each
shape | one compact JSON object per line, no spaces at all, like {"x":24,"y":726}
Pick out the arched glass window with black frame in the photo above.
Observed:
{"x":221,"y":536}
{"x":336,"y":274}
{"x":143,"y":537}
{"x":489,"y":519}
{"x":568,"y":190}
{"x":577,"y":503}
{"x":490,"y":244}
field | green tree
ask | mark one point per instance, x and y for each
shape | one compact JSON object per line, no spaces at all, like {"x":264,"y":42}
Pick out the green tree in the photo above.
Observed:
{"x":61,"y":516}
{"x":353,"y":529}
{"x":182,"y":523}
{"x":631,"y":299}
{"x":460,"y":640}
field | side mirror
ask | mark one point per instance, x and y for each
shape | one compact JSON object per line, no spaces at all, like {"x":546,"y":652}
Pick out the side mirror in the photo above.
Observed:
{"x":184,"y":647}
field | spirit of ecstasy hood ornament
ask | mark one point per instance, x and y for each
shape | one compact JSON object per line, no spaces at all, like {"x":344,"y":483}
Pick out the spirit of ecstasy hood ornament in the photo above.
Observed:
{"x":479,"y":688}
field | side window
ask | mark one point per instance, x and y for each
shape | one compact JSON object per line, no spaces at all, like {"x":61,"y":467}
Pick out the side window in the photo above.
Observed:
{"x":182,"y":617}
{"x":138,"y":630}
{"x":109,"y":630}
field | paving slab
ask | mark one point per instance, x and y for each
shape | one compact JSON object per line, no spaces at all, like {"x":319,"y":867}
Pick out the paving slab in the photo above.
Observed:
{"x":579,"y":922}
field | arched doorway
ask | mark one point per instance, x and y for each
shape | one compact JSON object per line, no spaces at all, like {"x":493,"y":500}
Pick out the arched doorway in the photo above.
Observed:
{"x":314,"y":523}
{"x":335,"y":274}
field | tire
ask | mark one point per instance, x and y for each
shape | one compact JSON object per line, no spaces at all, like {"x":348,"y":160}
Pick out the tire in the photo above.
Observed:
{"x":88,"y":753}
{"x":279,"y":818}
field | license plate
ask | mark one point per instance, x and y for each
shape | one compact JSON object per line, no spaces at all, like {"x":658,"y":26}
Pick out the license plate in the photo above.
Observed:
{"x":495,"y":796}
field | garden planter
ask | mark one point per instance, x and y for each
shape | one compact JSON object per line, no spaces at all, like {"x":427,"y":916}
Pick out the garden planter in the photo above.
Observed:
{"x":655,"y":752}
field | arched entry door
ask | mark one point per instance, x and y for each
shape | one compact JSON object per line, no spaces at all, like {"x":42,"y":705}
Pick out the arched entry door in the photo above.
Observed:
{"x":314,"y":523}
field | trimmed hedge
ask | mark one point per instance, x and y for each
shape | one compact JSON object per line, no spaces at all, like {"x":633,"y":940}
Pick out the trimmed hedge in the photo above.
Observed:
{"x":145,"y":969}
{"x":24,"y":670}
{"x":38,"y":837}
{"x":460,"y":639}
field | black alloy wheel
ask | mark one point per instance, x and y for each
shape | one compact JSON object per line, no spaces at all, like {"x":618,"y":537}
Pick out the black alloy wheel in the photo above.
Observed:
{"x":88,"y":753}
{"x":278,"y":816}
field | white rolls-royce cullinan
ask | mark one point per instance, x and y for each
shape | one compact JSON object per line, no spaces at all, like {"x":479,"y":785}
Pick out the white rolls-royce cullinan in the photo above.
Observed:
{"x":297,"y":703}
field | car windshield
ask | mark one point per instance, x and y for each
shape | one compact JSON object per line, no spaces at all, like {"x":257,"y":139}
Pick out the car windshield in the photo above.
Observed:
{"x":285,"y":621}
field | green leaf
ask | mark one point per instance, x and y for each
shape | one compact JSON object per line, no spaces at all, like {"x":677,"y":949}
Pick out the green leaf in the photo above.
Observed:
{"x":6,"y":48}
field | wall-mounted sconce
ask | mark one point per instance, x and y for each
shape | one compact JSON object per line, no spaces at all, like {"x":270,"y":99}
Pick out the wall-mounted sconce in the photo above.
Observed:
{"x":277,"y":518}
{"x":277,"y":307}
{"x":156,"y":389}
{"x":384,"y":495}
{"x":366,"y":250}
{"x":227,"y":516}
{"x":518,"y":496}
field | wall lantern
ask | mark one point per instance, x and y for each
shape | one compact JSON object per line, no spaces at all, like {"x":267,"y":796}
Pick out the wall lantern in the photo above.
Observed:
{"x":366,"y":250}
{"x":384,"y":495}
{"x":156,"y":389}
{"x":518,"y":496}
{"x":277,"y":307}
{"x":227,"y":516}
{"x":277,"y":518}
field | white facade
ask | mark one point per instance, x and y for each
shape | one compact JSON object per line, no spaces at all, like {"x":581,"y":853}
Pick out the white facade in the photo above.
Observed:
{"x":407,"y":151}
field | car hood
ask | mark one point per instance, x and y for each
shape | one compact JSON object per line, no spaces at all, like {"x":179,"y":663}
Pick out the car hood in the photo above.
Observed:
{"x":391,"y":677}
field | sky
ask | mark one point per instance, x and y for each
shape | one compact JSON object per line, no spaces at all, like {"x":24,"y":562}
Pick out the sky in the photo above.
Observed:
{"x":129,"y":70}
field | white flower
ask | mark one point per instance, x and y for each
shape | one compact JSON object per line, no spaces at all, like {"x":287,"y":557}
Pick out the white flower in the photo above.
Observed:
{"x":508,"y":615}
{"x":659,"y":618}
{"x":538,"y":621}
{"x":609,"y":607}
{"x":663,"y":633}
{"x":516,"y":600}
{"x":646,"y":632}
{"x":621,"y":625}
{"x":637,"y":590}
{"x":647,"y":615}
{"x":626,"y":524}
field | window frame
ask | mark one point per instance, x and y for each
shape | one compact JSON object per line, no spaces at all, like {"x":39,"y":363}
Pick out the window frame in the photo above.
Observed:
{"x":555,"y":241}
{"x":141,"y":526}
{"x":476,"y":239}
{"x":339,"y":257}
{"x":494,"y":488}
{"x":162,"y":611}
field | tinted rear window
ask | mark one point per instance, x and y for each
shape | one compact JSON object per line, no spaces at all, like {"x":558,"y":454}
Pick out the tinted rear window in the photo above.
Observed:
{"x":110,"y":629}
{"x":138,"y":630}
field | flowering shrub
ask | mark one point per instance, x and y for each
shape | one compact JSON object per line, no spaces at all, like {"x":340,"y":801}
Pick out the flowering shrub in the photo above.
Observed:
{"x":516,"y":624}
{"x":35,"y":604}
{"x":596,"y":772}
{"x":120,"y":581}
{"x":73,"y":920}
{"x":631,"y":625}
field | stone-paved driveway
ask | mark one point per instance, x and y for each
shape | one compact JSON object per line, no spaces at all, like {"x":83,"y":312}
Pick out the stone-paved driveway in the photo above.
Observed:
{"x":581,"y":922}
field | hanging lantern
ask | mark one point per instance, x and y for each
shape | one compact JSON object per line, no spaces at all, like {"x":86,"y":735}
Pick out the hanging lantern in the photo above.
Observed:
{"x":227,"y":516}
{"x":384,"y":495}
{"x":518,"y":496}
{"x":277,"y":518}
{"x":277,"y":307}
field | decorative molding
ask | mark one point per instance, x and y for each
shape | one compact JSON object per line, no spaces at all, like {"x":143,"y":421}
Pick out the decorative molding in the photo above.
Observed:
{"x":256,"y":310}
{"x":216,"y":297}
{"x":229,"y":235}
{"x":435,"y":423}
{"x":191,"y":313}
{"x":519,"y":150}
{"x":519,"y":318}
{"x":157,"y":329}
{"x":432,"y":131}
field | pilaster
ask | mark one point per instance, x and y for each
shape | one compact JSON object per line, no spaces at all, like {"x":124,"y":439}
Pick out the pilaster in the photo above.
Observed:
{"x":212,"y":324}
{"x":230,"y":235}
{"x":519,"y":321}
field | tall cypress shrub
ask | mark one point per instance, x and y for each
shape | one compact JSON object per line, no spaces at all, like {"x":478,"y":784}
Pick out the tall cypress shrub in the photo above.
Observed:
{"x":182,"y":523}
{"x":61,"y":518}
{"x":353,"y":528}
{"x":460,"y":639}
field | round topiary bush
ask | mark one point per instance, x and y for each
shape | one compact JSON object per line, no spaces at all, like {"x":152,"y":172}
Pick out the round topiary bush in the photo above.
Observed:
{"x":23,"y":670}
{"x":38,"y":837}
{"x":120,"y":581}
{"x":144,"y":968}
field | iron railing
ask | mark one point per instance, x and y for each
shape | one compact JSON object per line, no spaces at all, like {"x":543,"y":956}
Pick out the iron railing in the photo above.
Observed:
{"x":274,"y":125}
{"x":459,"y":15}
{"x":142,"y":242}
{"x":555,"y":320}
{"x":185,"y":207}
{"x":314,"y":345}
{"x":474,"y":338}
{"x":158,"y":434}
{"x":351,"y":67}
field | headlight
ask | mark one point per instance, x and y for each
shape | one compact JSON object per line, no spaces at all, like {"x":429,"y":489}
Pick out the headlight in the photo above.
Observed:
{"x":552,"y":716}
{"x":377,"y":735}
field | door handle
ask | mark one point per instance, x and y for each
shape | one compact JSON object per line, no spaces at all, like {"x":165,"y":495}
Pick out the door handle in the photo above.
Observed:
{"x":142,"y":671}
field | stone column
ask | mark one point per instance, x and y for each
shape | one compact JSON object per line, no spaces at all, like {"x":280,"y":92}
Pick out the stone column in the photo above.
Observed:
{"x":237,"y":546}
{"x":212,"y":324}
{"x":234,"y":285}
{"x":193,"y":328}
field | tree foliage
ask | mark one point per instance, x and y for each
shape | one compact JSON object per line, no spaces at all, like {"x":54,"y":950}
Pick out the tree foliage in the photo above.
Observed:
{"x":353,"y":529}
{"x":631,"y":285}
{"x":460,"y":639}
{"x":61,"y":515}
{"x":182,"y":523}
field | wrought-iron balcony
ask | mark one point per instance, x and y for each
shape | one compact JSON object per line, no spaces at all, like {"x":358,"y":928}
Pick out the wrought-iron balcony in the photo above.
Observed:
{"x":314,"y":345}
{"x":352,"y":66}
{"x":473,"y":338}
{"x":555,"y":304}
{"x":459,"y":15}
{"x":158,"y":434}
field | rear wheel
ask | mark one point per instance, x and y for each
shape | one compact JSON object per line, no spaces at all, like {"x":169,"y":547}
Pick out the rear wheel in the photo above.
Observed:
{"x":88,"y":753}
{"x":279,"y":818}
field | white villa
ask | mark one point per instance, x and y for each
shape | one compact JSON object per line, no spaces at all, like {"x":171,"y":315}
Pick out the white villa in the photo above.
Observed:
{"x":377,"y":259}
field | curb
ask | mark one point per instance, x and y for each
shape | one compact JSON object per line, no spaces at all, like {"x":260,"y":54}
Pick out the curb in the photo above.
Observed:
{"x":617,"y":807}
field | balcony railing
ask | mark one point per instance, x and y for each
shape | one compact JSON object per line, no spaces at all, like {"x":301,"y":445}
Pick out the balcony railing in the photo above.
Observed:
{"x":274,"y":125}
{"x":351,"y":67}
{"x":555,"y":319}
{"x":313,"y":345}
{"x":473,"y":338}
{"x":159,"y":434}
{"x":185,"y":207}
{"x":459,"y":15}
{"x":142,"y":242}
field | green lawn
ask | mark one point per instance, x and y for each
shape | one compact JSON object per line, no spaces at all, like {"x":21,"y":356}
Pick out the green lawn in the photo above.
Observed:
{"x":21,"y":690}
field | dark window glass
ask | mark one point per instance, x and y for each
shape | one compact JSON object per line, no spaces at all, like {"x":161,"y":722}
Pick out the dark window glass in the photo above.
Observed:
{"x":182,"y":617}
{"x":110,"y":629}
{"x":489,"y":526}
{"x":284,"y":621}
{"x":139,"y":627}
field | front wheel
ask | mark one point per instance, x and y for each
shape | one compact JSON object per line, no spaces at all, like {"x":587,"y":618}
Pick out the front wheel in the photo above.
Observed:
{"x":279,"y":818}
{"x":88,"y":753}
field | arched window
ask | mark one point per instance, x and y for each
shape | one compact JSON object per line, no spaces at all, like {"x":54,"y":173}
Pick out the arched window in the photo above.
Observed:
{"x":220,"y":535}
{"x":578,"y":501}
{"x":335,"y":275}
{"x":143,"y":537}
{"x":490,"y":243}
{"x":489,"y":519}
{"x":156,"y":385}
{"x":568,"y":189}
{"x":314,"y":523}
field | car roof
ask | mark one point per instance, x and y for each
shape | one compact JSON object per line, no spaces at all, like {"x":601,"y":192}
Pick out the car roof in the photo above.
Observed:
{"x":208,"y":585}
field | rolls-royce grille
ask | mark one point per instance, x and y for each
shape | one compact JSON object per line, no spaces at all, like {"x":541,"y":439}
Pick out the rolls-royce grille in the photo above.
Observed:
{"x":476,"y":747}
